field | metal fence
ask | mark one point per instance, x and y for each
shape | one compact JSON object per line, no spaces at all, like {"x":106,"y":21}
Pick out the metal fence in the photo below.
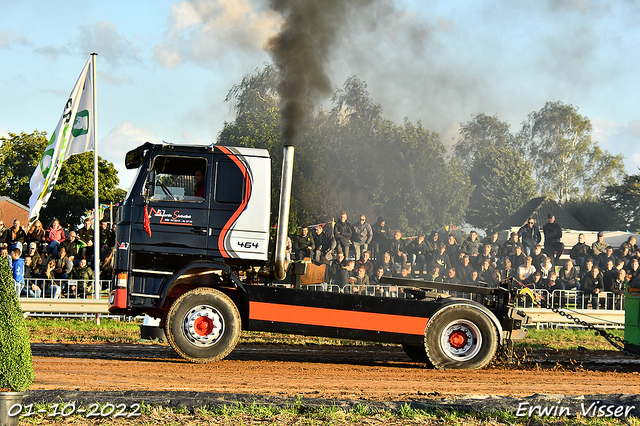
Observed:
{"x":42,"y":288}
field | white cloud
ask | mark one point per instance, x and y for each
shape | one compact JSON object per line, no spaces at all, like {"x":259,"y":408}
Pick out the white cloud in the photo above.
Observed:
{"x":167,"y":56}
{"x":3,"y":132}
{"x":111,"y":79}
{"x":190,"y":139}
{"x":201,"y":31}
{"x":52,"y":52}
{"x":120,"y":140}
{"x":111,"y":45}
{"x":621,"y":138}
{"x":8,"y":38}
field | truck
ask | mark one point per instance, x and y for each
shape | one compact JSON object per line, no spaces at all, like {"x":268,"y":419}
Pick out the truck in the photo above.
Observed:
{"x":202,"y":261}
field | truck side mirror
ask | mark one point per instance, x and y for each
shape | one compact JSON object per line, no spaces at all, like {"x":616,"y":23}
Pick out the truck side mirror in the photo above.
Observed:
{"x":150,"y":185}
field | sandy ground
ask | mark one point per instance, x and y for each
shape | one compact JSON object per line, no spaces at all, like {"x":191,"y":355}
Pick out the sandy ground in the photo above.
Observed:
{"x":365,"y":373}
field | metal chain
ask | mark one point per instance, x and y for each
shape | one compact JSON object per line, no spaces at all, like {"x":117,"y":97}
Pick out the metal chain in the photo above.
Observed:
{"x":615,"y":341}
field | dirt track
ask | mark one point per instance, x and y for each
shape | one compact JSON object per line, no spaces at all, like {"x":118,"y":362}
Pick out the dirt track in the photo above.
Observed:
{"x":364,"y":373}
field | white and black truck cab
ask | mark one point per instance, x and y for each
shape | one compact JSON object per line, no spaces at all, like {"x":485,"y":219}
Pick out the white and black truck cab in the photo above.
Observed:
{"x":196,"y":254}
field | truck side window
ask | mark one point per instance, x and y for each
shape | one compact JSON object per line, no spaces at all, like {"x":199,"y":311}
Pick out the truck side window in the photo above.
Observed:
{"x":180,"y":178}
{"x":229,"y":183}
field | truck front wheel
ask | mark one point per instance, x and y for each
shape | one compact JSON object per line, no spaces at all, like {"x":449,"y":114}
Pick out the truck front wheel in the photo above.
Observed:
{"x":461,"y":337}
{"x":203,"y":325}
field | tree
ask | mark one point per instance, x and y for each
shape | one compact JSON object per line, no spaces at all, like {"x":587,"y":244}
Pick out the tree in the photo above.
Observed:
{"x":19,"y":156}
{"x":567,"y":163}
{"x":418,"y":187}
{"x":595,"y":213}
{"x":503,"y":184}
{"x":481,"y":132}
{"x":256,"y":92}
{"x":625,"y":199}
{"x":73,"y":193}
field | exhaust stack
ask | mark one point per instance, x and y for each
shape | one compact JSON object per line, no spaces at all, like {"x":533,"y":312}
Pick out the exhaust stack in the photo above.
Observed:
{"x":280,"y":270}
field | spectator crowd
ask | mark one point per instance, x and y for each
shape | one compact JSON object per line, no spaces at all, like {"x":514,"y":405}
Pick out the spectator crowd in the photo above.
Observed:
{"x":51,"y":262}
{"x":379,"y":251}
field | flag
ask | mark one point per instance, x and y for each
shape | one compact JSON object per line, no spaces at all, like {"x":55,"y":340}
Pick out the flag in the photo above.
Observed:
{"x":73,"y":135}
{"x":146,"y":222}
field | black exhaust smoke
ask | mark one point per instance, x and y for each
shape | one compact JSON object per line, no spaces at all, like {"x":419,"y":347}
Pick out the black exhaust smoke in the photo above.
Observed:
{"x":301,"y":50}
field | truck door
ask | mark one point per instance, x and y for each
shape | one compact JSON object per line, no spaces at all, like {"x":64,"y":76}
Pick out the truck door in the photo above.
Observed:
{"x":239,"y":217}
{"x":178,"y":211}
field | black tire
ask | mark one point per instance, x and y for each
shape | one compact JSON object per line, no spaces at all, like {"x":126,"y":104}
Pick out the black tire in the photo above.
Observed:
{"x":203,"y":325}
{"x":417,"y":353}
{"x":461,"y":337}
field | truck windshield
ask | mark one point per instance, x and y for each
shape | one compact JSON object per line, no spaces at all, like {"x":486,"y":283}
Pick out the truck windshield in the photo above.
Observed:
{"x":180,"y":178}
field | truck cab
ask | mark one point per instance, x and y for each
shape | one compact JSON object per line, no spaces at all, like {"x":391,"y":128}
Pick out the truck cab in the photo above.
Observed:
{"x":170,"y":220}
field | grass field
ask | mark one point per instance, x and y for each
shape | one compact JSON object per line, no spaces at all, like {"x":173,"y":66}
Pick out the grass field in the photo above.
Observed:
{"x":80,"y":331}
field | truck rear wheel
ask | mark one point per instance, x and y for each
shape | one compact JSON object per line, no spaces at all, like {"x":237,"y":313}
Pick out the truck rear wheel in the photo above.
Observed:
{"x":203,"y":325}
{"x":461,"y":337}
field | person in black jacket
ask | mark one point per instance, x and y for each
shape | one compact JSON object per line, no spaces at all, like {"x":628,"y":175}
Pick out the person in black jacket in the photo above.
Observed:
{"x":592,"y":285}
{"x":580,"y":252}
{"x":537,"y":257}
{"x":398,"y":249}
{"x":381,"y":238}
{"x":344,"y":274}
{"x":342,"y":234}
{"x":633,"y":268}
{"x":418,"y":252}
{"x":484,"y":255}
{"x":303,"y":244}
{"x":452,"y":247}
{"x":606,"y":257}
{"x":386,"y":264}
{"x":465,"y":270}
{"x":325,"y":244}
{"x":15,"y":236}
{"x":492,"y":239}
{"x":471,"y":246}
{"x":552,"y":236}
{"x":509,"y":246}
{"x":441,"y":259}
{"x":529,"y":235}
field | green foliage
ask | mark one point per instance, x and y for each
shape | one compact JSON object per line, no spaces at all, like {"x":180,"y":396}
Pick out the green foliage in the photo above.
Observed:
{"x":503,"y":184}
{"x":19,"y":156}
{"x":501,"y":178}
{"x":479,"y":133}
{"x":625,"y":199}
{"x":73,"y":193}
{"x":256,"y":92}
{"x":16,"y":364}
{"x":567,"y":163}
{"x":595,"y":213}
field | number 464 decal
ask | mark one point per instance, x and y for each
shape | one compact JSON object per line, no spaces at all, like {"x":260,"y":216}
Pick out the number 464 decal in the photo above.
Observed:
{"x":248,"y":245}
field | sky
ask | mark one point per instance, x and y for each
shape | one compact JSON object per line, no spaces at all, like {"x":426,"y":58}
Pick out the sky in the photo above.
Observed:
{"x":164,"y":67}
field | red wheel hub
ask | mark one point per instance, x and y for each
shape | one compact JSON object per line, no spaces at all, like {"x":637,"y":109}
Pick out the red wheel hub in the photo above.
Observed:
{"x":203,"y":326}
{"x":457,"y":339}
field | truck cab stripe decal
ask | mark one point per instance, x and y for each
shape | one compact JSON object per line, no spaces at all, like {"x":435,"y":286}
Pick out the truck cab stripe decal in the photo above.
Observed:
{"x":325,"y":317}
{"x":247,"y":194}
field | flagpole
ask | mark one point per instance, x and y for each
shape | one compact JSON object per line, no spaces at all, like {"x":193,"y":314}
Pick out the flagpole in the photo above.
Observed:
{"x":96,"y":205}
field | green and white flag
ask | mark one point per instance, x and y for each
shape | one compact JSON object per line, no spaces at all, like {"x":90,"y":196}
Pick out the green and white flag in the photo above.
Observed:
{"x":72,"y":136}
